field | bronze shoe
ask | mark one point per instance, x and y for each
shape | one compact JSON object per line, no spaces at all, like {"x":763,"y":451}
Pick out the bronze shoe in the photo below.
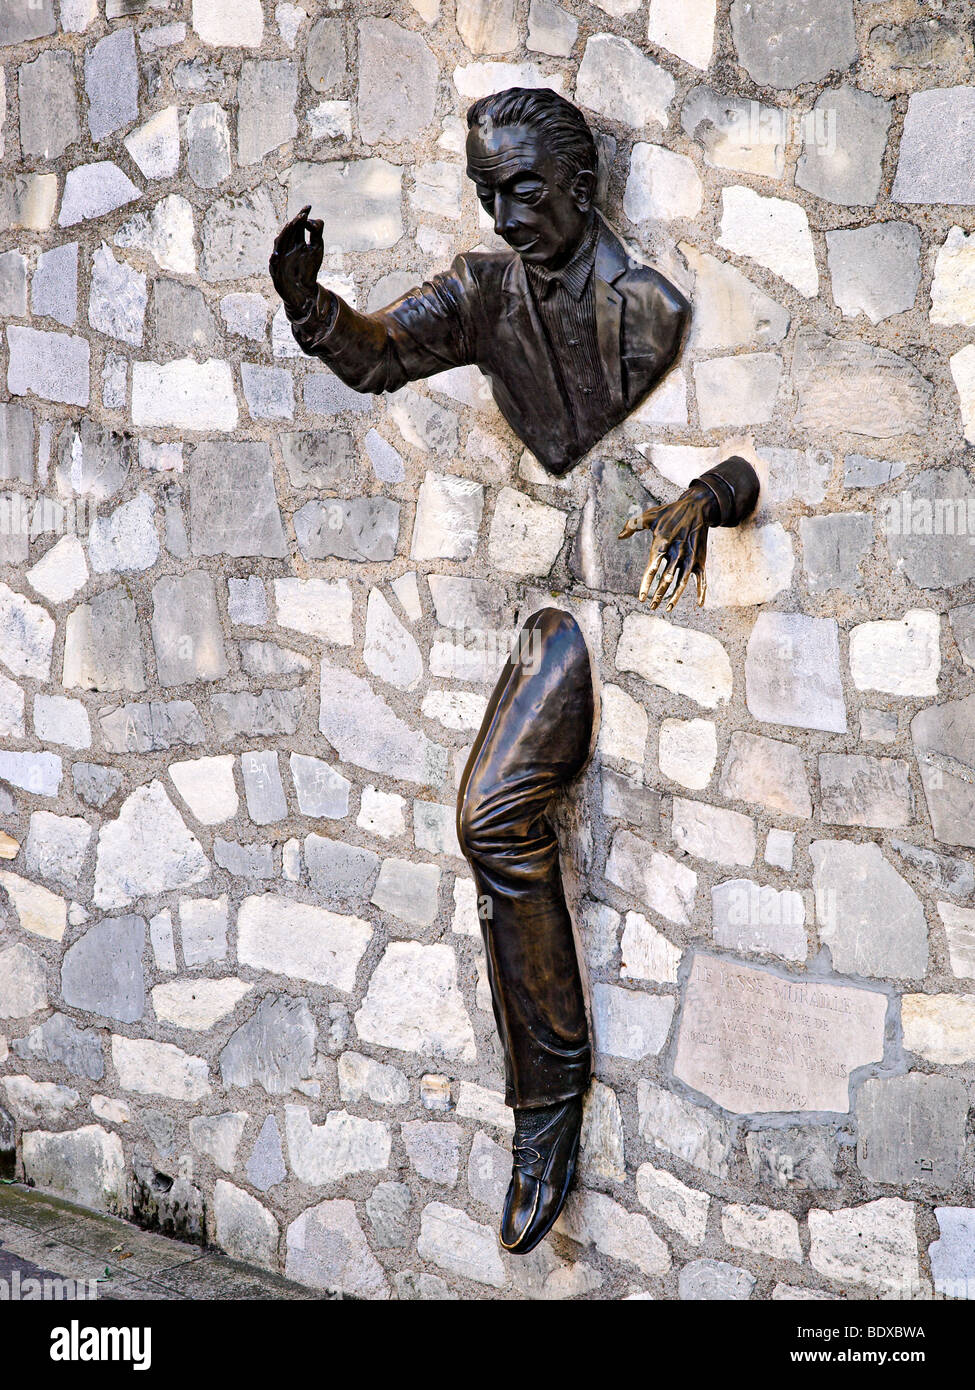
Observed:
{"x":544,"y":1164}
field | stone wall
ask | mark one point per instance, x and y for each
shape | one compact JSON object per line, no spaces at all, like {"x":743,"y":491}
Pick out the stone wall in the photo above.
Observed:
{"x":249,"y":621}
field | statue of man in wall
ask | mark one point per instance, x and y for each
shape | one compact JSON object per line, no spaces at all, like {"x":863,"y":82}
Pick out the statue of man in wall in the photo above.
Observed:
{"x":572,"y":334}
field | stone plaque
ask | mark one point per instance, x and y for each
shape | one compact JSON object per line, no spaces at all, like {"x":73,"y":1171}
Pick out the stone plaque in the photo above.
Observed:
{"x":757,"y":1042}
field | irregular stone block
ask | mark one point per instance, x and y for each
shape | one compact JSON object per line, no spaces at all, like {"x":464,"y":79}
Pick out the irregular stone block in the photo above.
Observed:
{"x":874,"y":1244}
{"x":944,"y":740}
{"x":265,"y":1167}
{"x":748,"y":916}
{"x":275,"y":1048}
{"x":414,"y":1004}
{"x":326,"y":1249}
{"x":617,"y":80}
{"x":147,"y":849}
{"x":359,"y":201}
{"x":928,"y":528}
{"x":237,"y":230}
{"x":846,"y":168}
{"x":794,"y":1157}
{"x":869,"y":916}
{"x":244,"y":1229}
{"x":935,"y":162}
{"x":306,"y":943}
{"x":784,"y":43}
{"x":792,"y":672}
{"x":714,"y":1280}
{"x":397,"y":83}
{"x":84,"y":1165}
{"x":773,"y":231}
{"x":450,"y":1239}
{"x":233,"y":506}
{"x":864,"y":791}
{"x":364,"y":529}
{"x":911,"y":1129}
{"x":875,"y":270}
{"x":853,"y":387}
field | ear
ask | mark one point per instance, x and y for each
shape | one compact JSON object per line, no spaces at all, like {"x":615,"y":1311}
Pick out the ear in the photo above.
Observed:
{"x":584,"y":189}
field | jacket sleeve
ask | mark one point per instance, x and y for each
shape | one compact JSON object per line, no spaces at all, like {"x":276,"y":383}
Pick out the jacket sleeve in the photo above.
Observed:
{"x":734,"y":486}
{"x":427,"y":330}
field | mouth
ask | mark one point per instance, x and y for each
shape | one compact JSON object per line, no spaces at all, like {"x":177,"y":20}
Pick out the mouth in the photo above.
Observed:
{"x":524,"y":246}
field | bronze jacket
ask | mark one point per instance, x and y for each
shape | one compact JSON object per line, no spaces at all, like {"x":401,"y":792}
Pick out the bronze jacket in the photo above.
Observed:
{"x":481,"y":312}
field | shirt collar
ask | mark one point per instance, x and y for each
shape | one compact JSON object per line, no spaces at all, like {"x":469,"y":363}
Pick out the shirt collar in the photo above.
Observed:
{"x":573,"y":276}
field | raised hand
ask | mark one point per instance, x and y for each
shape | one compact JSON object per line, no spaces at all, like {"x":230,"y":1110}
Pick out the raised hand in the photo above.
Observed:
{"x":679,"y":548}
{"x":295,"y":262}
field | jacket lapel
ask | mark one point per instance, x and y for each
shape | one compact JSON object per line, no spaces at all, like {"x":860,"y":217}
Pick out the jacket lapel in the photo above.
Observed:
{"x":609,"y":311}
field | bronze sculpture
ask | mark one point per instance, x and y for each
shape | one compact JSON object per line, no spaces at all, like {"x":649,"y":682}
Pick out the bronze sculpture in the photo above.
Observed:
{"x":572,"y":333}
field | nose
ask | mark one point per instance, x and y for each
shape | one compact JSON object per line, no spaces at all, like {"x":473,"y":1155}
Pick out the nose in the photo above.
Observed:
{"x":505,"y":219}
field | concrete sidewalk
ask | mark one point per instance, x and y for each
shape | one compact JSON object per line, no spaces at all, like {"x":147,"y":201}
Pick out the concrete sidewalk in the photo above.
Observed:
{"x":43,"y":1237}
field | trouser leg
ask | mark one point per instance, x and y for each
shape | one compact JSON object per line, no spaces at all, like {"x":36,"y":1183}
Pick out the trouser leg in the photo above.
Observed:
{"x":534,"y":739}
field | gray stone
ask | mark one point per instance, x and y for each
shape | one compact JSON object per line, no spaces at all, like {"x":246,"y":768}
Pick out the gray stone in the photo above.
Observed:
{"x":365,"y":731}
{"x":624,"y":798}
{"x":598,"y":557}
{"x":264,"y":659}
{"x":92,"y":461}
{"x":630,"y":1022}
{"x":233,"y":505}
{"x":735,"y":132}
{"x":22,"y":20}
{"x":237,"y":230}
{"x":793,"y":1157}
{"x":341,"y":872}
{"x":388,"y":1209}
{"x":182,"y":321}
{"x":84,"y":1165}
{"x":766,"y":772}
{"x":408,"y":891}
{"x":112,"y":83}
{"x":102,"y":645}
{"x":265,"y":1167}
{"x":953,"y":1254}
{"x":962,"y":628}
{"x":936,"y":162}
{"x":94,"y":784}
{"x":243,"y":1227}
{"x":803,"y":473}
{"x":245,"y":315}
{"x":247,"y":600}
{"x":102,"y":972}
{"x":326,"y":1249}
{"x":857,"y":790}
{"x":875,"y":270}
{"x":792,"y":672}
{"x":551,"y":29}
{"x":16,"y":443}
{"x":275,"y":1048}
{"x":56,"y":846}
{"x":833,"y":549}
{"x":218,"y":1136}
{"x":326,"y":65}
{"x":326,"y":394}
{"x":176,"y":1210}
{"x":846,"y":166}
{"x":186,"y":630}
{"x":321,"y":791}
{"x":387,"y":463}
{"x":928,"y":528}
{"x":161,"y":1130}
{"x":61,"y":1043}
{"x":397,"y":83}
{"x":466,"y":603}
{"x":365,"y":529}
{"x":23,"y":982}
{"x":942,"y":873}
{"x":784,"y":43}
{"x":48,"y":105}
{"x":851,"y":386}
{"x":117,"y":303}
{"x":25,"y":635}
{"x":944,"y":740}
{"x":859,"y":470}
{"x":618,"y":80}
{"x":207,"y":144}
{"x":686,"y":1130}
{"x":126,"y":539}
{"x":54,"y":366}
{"x":359,"y":202}
{"x":203,"y":929}
{"x":433,"y":1148}
{"x":260,"y":715}
{"x":244,"y":861}
{"x":488,"y":1172}
{"x":54,"y":285}
{"x":13,"y":284}
{"x":714,"y":1280}
{"x":196,"y":75}
{"x":268,"y":391}
{"x":317,"y":458}
{"x":450,"y":1239}
{"x":869,"y":916}
{"x":911,"y":1129}
{"x":146,"y":850}
{"x":266,"y":96}
{"x":144,"y":728}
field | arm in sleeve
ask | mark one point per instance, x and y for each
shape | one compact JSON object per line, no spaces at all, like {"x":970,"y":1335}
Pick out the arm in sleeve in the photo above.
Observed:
{"x":427,"y":330}
{"x":734,"y":486}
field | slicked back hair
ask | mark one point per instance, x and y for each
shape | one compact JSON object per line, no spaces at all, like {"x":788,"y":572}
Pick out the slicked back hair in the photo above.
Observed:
{"x":562,"y":124}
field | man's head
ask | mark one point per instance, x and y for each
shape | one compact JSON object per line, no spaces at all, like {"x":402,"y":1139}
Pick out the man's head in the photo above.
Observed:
{"x":532,"y":158}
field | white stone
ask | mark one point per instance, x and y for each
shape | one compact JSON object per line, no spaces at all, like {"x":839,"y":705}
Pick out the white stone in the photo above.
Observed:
{"x":39,"y":911}
{"x":874,"y":1244}
{"x":229,"y":23}
{"x":382,"y":813}
{"x":738,"y":390}
{"x":748,"y":565}
{"x":629,"y":1022}
{"x":623,"y":726}
{"x":61,"y":571}
{"x":773,"y":232}
{"x":953,"y":286}
{"x":959,"y":925}
{"x":219,"y":1136}
{"x":39,"y":773}
{"x":126,"y":538}
{"x":617,"y":80}
{"x":661,"y":185}
{"x":684,"y":27}
{"x":244,"y":1229}
{"x":902,"y":657}
{"x":687,"y":751}
{"x":11,"y":708}
{"x":185,"y":394}
{"x":327,"y":1250}
{"x":197,"y":1004}
{"x":165,"y":233}
{"x":330,"y":120}
{"x":22,"y":982}
{"x":207,"y":787}
{"x":414,"y":1003}
{"x":390,"y":651}
{"x":455,"y":709}
{"x":594,"y":1219}
{"x":779,"y":848}
{"x":53,"y":366}
{"x":645,"y":953}
{"x":319,"y":607}
{"x":684,"y":1129}
{"x":749,"y":916}
{"x":711,"y":832}
{"x":729,"y":311}
{"x":476,"y":80}
{"x":682,"y":660}
{"x":683,"y":1208}
{"x":145,"y":850}
{"x":361,"y":1078}
{"x":159,"y":1069}
{"x":940,"y":1027}
{"x":92,"y":190}
{"x":450,"y":1239}
{"x":405,"y":589}
{"x":448,"y":517}
{"x":84,"y":1165}
{"x":76,"y":15}
{"x":38,"y":1102}
{"x":762,"y":1231}
{"x":657,"y":880}
{"x":113,"y":1112}
{"x":962,"y":366}
{"x":344,"y":1144}
{"x":601,"y":1145}
{"x":155,"y":145}
{"x":306,"y":943}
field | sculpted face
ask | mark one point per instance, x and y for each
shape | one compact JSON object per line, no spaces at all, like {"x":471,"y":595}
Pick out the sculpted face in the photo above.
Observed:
{"x":521,"y":185}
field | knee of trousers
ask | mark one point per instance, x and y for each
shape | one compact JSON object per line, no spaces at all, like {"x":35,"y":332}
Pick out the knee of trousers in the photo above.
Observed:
{"x":489,"y":838}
